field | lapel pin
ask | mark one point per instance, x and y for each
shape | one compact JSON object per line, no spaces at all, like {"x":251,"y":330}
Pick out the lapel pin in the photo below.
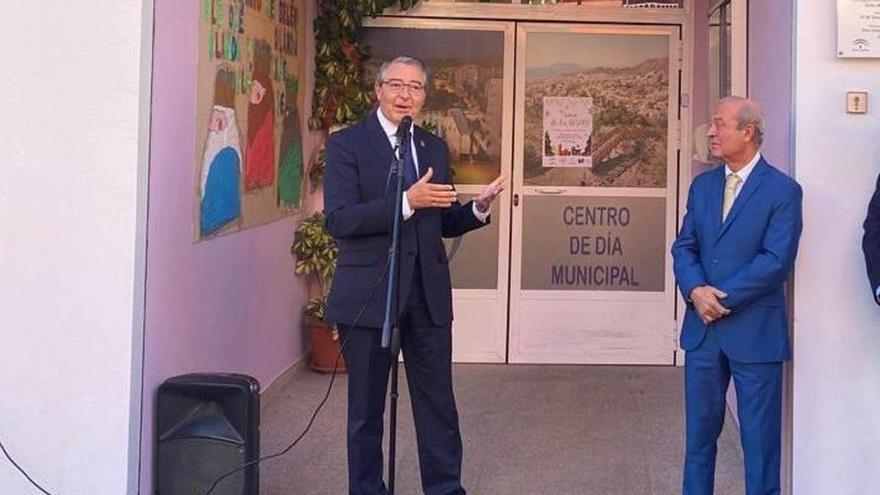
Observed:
{"x":422,"y":144}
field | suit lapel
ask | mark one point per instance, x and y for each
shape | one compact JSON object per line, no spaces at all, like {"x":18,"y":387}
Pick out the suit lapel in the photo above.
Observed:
{"x":716,"y":192}
{"x":756,"y":178}
{"x":379,"y":140}
{"x":423,"y":151}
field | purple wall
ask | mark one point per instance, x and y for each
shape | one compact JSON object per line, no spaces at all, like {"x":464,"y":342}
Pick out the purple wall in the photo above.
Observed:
{"x":770,"y":49}
{"x":231,"y":304}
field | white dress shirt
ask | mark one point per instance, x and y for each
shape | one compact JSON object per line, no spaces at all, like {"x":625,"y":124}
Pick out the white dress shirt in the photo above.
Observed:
{"x":743,"y":173}
{"x":391,"y":131}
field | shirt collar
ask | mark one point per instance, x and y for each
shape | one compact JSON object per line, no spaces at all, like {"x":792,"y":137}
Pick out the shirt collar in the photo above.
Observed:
{"x":745,"y":171}
{"x":389,"y":127}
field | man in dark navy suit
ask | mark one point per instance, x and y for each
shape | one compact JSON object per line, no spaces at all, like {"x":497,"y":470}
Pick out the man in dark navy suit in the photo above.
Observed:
{"x":871,"y":243}
{"x":736,"y":247}
{"x":358,"y":201}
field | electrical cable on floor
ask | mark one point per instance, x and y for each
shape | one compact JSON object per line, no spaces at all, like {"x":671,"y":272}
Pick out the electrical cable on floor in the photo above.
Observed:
{"x":391,"y":173}
{"x":264,"y":458}
{"x":320,"y":405}
{"x":271,"y":456}
{"x":22,"y":471}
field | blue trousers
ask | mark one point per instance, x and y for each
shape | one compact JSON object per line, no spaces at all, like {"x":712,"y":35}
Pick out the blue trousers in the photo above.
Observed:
{"x":759,"y":400}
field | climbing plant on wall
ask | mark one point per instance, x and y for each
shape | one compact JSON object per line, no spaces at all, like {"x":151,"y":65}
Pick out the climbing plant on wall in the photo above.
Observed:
{"x":341,"y":95}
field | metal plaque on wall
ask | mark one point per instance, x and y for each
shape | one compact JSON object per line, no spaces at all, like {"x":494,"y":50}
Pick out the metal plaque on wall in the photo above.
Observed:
{"x":858,"y":29}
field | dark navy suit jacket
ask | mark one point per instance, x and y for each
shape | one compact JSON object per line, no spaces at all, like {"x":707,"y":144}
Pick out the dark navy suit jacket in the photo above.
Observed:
{"x":748,"y":256}
{"x":358,"y":200}
{"x":871,"y":242}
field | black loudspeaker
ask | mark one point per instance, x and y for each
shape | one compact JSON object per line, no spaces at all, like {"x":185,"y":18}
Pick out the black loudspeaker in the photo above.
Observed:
{"x":207,"y":425}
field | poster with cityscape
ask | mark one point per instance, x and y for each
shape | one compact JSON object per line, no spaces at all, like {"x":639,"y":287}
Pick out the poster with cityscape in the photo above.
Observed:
{"x":626,"y":78}
{"x":465,"y":90}
{"x":568,"y":129}
{"x":248,"y":160}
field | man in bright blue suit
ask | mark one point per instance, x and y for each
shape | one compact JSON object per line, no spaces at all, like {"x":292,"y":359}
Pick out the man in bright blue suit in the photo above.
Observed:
{"x":358,"y":201}
{"x":736,"y":247}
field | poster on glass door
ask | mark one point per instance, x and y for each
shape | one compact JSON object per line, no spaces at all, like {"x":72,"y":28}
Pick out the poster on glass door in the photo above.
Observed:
{"x":568,"y":131}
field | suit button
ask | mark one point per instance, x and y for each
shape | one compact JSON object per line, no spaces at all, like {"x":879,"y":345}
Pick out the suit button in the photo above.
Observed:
{"x":410,"y":253}
{"x":715,"y":261}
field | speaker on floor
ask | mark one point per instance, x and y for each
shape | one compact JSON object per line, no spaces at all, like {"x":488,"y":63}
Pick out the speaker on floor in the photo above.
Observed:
{"x":207,"y":424}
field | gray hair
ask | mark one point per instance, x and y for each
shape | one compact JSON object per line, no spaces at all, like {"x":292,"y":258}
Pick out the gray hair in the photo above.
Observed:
{"x":412,"y":61}
{"x":747,"y":112}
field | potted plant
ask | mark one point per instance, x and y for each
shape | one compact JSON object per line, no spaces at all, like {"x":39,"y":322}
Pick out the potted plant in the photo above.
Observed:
{"x":316,"y":253}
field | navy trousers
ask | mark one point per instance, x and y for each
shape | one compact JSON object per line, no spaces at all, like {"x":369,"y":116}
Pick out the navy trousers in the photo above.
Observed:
{"x":759,"y":401}
{"x":427,"y":352}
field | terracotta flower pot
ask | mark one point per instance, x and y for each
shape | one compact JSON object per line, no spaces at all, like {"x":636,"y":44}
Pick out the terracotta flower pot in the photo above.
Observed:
{"x":325,"y":349}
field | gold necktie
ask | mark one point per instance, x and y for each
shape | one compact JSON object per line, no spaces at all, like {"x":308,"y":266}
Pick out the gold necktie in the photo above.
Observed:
{"x":733,"y":180}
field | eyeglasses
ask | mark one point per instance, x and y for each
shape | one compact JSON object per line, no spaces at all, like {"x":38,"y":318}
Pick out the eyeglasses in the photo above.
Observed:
{"x":396,"y":86}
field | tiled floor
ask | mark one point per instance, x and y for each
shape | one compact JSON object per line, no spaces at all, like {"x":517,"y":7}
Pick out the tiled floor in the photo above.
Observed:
{"x":554,"y":430}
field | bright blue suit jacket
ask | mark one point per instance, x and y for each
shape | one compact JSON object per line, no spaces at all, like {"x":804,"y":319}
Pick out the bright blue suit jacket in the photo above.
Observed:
{"x":748,"y":256}
{"x":358,"y":201}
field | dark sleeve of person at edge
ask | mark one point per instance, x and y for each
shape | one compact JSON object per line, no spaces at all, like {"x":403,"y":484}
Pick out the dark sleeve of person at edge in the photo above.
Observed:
{"x":871,"y":242}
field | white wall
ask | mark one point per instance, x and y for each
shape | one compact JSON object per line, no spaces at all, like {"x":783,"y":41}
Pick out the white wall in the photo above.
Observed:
{"x":71,"y":242}
{"x":836,"y":423}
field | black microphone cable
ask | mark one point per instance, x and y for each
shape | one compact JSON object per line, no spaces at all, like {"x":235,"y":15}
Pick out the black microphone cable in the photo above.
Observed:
{"x":320,"y":405}
{"x":391,"y":173}
{"x":301,"y":435}
{"x":264,"y":458}
{"x":22,"y":471}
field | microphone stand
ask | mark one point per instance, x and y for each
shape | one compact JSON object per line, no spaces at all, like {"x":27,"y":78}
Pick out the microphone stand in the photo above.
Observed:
{"x":390,"y":327}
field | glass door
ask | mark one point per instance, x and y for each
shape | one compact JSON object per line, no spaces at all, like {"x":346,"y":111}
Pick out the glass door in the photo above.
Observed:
{"x":469,"y":105}
{"x":594,"y":204}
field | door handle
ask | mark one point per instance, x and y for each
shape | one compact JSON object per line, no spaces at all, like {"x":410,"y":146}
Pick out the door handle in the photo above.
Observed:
{"x":550,"y":190}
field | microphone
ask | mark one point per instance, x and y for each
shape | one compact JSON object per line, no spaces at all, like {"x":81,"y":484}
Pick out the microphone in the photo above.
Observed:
{"x":403,"y":129}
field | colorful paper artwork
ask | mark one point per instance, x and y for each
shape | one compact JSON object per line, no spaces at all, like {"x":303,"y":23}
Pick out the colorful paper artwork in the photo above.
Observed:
{"x":249,"y":163}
